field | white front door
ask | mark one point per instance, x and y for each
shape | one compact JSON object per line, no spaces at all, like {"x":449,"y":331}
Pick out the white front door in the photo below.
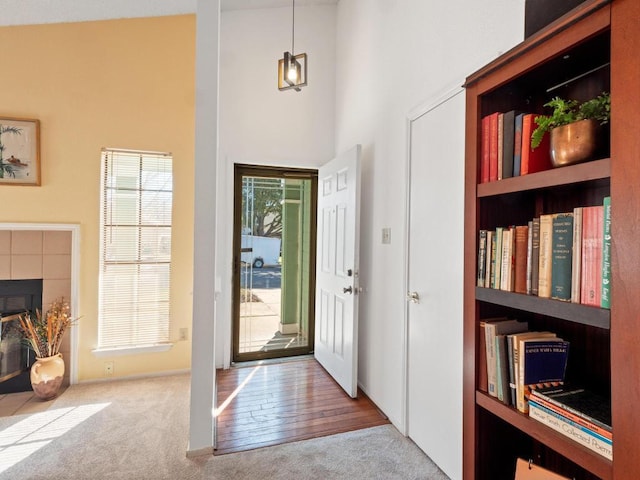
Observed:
{"x":336,"y":331}
{"x":434,"y":269}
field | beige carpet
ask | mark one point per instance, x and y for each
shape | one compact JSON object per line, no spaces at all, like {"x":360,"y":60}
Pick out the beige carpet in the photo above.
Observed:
{"x":138,"y":429}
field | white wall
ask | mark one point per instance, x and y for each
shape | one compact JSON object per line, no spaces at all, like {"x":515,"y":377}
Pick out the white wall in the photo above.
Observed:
{"x":392,"y":57}
{"x":261,"y":125}
{"x":203,"y":374}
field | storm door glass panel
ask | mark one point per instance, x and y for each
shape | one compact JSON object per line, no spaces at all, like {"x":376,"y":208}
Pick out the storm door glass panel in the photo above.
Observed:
{"x":273,"y":274}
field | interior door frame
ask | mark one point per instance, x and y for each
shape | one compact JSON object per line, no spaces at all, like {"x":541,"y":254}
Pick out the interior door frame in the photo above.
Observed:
{"x":414,"y":114}
{"x":239,"y":170}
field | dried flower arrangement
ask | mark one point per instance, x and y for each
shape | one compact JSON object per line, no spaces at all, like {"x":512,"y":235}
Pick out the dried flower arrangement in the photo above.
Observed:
{"x":45,"y":334}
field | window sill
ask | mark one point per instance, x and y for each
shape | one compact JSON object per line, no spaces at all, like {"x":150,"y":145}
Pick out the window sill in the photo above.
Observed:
{"x":139,"y":349}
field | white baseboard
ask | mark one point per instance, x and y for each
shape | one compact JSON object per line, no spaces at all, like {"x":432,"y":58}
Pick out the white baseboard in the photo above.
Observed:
{"x":200,"y":452}
{"x":165,"y":373}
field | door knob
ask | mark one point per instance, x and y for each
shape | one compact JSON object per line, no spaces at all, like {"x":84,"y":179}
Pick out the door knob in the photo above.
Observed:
{"x":348,"y":289}
{"x":413,"y":297}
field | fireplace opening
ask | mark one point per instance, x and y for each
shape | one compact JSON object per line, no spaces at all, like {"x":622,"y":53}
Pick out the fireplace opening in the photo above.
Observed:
{"x":16,"y":358}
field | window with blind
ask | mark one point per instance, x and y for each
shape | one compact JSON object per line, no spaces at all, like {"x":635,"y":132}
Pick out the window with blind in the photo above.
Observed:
{"x":135,"y":254}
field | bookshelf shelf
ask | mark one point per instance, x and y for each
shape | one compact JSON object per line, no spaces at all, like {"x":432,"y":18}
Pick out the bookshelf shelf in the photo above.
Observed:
{"x":590,"y":50}
{"x":593,"y":462}
{"x":584,"y":172}
{"x":572,"y":312}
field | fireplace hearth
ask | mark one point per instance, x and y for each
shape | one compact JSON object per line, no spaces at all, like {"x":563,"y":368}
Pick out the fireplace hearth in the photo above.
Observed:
{"x":16,"y":298}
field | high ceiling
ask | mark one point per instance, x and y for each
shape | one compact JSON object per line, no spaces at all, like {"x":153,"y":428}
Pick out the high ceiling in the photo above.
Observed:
{"x":25,"y":12}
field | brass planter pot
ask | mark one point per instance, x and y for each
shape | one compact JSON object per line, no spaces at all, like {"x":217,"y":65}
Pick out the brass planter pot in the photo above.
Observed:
{"x":574,"y":143}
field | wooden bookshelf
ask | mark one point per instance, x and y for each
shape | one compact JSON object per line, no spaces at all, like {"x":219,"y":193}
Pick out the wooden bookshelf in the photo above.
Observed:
{"x":591,"y":49}
{"x":571,"y":312}
{"x":574,"y":452}
{"x":582,"y":172}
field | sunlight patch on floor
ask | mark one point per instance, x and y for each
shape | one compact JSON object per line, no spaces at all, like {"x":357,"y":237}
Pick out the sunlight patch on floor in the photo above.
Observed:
{"x":229,"y":399}
{"x":28,"y":436}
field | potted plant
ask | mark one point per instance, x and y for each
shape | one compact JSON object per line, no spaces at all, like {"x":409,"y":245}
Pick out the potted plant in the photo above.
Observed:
{"x":573,"y":127}
{"x":44,"y":335}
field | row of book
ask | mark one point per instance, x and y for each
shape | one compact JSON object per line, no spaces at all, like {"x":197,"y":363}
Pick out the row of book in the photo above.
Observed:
{"x":506,"y":146}
{"x":518,"y":360}
{"x":564,"y":256}
{"x":576,"y":413}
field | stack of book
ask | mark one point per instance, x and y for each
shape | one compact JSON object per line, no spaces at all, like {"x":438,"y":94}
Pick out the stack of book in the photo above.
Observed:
{"x":576,"y":413}
{"x":506,"y":146}
{"x":564,"y":256}
{"x":519,"y":361}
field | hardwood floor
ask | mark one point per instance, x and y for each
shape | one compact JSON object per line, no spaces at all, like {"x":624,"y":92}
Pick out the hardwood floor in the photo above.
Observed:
{"x":274,"y":403}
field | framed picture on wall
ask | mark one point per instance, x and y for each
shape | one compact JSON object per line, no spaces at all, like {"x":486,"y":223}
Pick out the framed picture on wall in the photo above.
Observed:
{"x":19,"y":151}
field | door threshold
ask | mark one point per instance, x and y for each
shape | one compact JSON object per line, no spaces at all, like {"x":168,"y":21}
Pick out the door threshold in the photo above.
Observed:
{"x":271,"y":361}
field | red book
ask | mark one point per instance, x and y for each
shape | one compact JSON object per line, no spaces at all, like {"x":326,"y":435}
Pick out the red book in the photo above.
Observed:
{"x":499,"y":145}
{"x":493,"y":147}
{"x":591,"y":267}
{"x":537,"y":160}
{"x":485,"y":144}
{"x":521,"y":243}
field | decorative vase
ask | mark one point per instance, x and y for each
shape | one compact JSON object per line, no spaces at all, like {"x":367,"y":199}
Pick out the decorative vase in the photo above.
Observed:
{"x":46,"y":376}
{"x":574,"y":143}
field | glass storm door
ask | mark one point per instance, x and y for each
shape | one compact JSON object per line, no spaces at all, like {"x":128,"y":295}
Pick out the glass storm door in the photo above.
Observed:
{"x":274,"y":262}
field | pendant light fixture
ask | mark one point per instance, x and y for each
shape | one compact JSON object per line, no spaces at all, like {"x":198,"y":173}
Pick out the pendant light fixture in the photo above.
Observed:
{"x":292,"y":69}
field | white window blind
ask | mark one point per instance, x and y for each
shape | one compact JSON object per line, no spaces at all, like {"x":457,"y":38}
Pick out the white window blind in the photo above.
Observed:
{"x":135,"y":254}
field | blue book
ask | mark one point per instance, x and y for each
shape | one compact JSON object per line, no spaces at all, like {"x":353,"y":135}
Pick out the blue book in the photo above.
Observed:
{"x":517,"y":144}
{"x":545,"y":361}
{"x":573,"y":430}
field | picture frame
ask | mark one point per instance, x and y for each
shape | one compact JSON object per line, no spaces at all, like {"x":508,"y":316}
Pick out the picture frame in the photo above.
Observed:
{"x":19,"y":151}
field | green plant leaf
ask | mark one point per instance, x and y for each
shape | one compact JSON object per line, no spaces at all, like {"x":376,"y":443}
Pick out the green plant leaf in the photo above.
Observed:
{"x":569,"y":111}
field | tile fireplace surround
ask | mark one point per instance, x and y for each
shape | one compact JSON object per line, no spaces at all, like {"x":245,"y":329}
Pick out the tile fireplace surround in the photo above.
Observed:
{"x":45,"y":254}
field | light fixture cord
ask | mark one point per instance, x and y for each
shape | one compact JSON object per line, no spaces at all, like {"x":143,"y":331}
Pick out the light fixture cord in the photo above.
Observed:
{"x":293,"y":26}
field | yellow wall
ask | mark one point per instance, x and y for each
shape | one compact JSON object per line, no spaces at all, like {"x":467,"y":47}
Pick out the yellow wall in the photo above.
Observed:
{"x":119,"y":83}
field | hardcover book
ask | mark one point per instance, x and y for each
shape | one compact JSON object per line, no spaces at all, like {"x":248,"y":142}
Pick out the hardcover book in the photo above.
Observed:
{"x":543,"y":363}
{"x":561,"y":256}
{"x":482,"y":258}
{"x":498,"y":257}
{"x":591,"y":268}
{"x":482,"y":358}
{"x":520,"y":268}
{"x":529,"y":255}
{"x":512,"y":378}
{"x":505,"y":266}
{"x":493,"y":147}
{"x":490,"y":268}
{"x":518,"y":362}
{"x":508,"y":132}
{"x":486,"y":145}
{"x":580,"y":434}
{"x":576,"y":260}
{"x":605,"y":301}
{"x":517,"y":144}
{"x":500,"y":144}
{"x":492,"y":330}
{"x":533,"y":160}
{"x":580,"y":420}
{"x":544,"y":263}
{"x":580,"y":401}
{"x":535,"y":255}
{"x":502,"y":369}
